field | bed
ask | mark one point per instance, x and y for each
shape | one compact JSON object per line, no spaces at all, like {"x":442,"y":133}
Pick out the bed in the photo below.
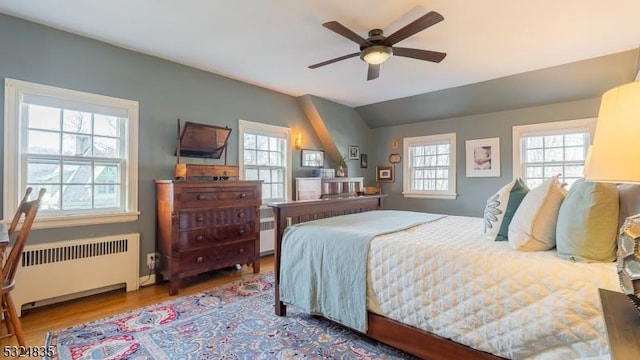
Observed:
{"x":417,"y":298}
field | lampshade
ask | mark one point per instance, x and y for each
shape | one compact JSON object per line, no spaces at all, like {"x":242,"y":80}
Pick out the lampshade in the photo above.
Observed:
{"x":616,"y":144}
{"x":613,"y":158}
{"x":376,"y":54}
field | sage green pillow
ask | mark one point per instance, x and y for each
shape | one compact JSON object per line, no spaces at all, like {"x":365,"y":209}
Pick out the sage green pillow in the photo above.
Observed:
{"x":587,"y":225}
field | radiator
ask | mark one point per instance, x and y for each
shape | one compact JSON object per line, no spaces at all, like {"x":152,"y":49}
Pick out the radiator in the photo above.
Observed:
{"x":56,"y":271}
{"x":267,"y":236}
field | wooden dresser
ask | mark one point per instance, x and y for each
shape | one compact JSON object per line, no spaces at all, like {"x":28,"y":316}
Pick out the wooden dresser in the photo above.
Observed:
{"x":206,"y":225}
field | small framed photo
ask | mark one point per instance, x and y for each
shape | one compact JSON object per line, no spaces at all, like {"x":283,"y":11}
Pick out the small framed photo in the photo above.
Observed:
{"x":312,"y":158}
{"x":354,"y":152}
{"x":363,"y":160}
{"x":384,"y":173}
{"x":483,"y":157}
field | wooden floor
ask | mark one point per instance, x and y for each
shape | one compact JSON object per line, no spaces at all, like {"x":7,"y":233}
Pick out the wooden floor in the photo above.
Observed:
{"x":38,"y":321}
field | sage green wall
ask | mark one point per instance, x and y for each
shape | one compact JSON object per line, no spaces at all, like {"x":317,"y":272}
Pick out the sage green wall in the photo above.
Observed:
{"x":165,"y":91}
{"x":339,"y":126}
{"x":473,"y":192}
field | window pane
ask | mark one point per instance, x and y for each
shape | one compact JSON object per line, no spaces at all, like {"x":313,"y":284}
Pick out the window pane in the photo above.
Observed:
{"x":107,"y":174}
{"x":533,"y":142}
{"x":443,"y":160}
{"x":105,"y":147}
{"x":262,"y":142}
{"x":250,"y":157}
{"x":266,"y":191}
{"x":106,"y":125}
{"x":553,"y":141}
{"x":442,"y":185}
{"x":574,"y":140}
{"x":251,"y":174}
{"x":43,"y":171}
{"x":249,"y":141}
{"x":107,"y":196}
{"x":43,"y":142}
{"x":533,"y":172}
{"x":76,"y":197}
{"x":550,"y":171}
{"x":76,"y":122}
{"x":50,"y":200}
{"x":574,"y":153}
{"x":263,"y":158}
{"x":76,"y":145}
{"x":264,"y":175}
{"x":443,"y":149}
{"x":75,"y":172}
{"x":573,"y":171}
{"x":533,"y":156}
{"x":274,"y":159}
{"x":553,"y":155}
{"x":44,"y":117}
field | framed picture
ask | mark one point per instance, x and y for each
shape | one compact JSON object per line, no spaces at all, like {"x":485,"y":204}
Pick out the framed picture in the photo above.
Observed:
{"x":312,"y":158}
{"x":395,"y":158}
{"x":395,"y":144}
{"x":363,"y":160}
{"x":354,"y":152}
{"x":384,"y":173}
{"x":483,"y":157}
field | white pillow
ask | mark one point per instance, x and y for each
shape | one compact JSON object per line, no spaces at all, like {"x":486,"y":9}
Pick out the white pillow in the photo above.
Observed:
{"x":533,"y":227}
{"x":500,"y":209}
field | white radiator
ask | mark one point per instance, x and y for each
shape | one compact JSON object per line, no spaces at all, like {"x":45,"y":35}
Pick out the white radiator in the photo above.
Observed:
{"x":56,"y":270}
{"x":267,"y":236}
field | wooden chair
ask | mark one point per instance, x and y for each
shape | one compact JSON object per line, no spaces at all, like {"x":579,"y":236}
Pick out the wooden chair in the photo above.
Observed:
{"x":9,"y":315}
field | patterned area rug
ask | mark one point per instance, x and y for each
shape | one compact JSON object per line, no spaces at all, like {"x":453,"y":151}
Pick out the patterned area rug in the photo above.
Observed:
{"x":235,"y":321}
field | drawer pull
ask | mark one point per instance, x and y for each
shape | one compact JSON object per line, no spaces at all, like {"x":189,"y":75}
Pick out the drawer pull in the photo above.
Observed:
{"x":243,"y":195}
{"x":241,"y":232}
{"x":241,"y":215}
{"x":199,"y":259}
{"x":200,"y":197}
{"x":199,"y":238}
{"x":200,"y":219}
{"x":240,"y":251}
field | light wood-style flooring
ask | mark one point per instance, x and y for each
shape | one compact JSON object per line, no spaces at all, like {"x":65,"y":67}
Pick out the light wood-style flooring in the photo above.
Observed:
{"x":38,"y":321}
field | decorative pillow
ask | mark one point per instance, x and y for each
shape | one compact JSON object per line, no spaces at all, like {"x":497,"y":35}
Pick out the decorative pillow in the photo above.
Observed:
{"x":533,"y":227}
{"x":500,"y":209}
{"x":629,"y":201}
{"x":587,"y":222}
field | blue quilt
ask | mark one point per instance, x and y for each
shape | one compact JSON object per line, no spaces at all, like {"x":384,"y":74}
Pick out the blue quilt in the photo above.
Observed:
{"x":324,"y":262}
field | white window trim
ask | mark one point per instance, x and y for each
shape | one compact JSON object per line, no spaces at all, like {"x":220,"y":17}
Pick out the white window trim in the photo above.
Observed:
{"x":272,"y":130}
{"x":406,"y":171}
{"x":12,"y":141}
{"x":548,"y":128}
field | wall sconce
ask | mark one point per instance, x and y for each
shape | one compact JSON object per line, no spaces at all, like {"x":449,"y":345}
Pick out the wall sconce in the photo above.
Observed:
{"x":297,"y":142}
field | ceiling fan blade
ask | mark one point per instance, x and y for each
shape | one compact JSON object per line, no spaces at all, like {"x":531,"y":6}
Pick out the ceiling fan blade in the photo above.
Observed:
{"x":426,"y":55}
{"x":333,"y":60}
{"x":416,"y":26}
{"x":344,"y":31}
{"x":373,"y":72}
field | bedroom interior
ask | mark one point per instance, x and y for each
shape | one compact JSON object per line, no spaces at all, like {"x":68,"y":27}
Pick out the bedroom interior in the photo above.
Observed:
{"x":406,"y":136}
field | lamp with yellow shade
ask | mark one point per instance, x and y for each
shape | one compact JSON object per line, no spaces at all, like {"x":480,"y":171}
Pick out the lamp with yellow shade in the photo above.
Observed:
{"x":613,"y":157}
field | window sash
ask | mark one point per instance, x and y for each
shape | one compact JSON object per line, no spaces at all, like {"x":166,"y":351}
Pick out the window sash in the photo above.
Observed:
{"x":547,"y":149}
{"x":429,"y":166}
{"x":269,"y":160}
{"x":109,"y":199}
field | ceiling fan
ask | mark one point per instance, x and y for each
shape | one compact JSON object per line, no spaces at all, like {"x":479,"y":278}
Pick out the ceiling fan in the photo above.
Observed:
{"x":377,"y":48}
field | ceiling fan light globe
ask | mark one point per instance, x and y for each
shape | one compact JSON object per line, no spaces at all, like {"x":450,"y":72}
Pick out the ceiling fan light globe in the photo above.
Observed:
{"x":376,"y":54}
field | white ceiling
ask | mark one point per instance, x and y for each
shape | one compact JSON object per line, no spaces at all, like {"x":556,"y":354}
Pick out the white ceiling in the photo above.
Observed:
{"x":270,"y":43}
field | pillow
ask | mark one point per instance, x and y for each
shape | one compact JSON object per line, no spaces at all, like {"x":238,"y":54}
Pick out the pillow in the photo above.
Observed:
{"x":500,"y":209}
{"x":629,"y":201}
{"x":533,"y":227}
{"x":588,"y":222}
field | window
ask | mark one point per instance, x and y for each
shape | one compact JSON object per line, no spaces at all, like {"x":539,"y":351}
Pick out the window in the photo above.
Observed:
{"x":547,"y":149}
{"x":265,"y":155}
{"x":80,"y":147}
{"x":430,"y":166}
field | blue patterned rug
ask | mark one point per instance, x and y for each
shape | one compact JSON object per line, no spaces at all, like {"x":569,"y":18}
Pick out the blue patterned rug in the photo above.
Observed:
{"x":234,"y":321}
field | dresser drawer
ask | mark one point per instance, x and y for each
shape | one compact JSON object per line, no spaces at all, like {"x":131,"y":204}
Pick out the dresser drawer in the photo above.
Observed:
{"x":208,"y":218}
{"x":234,"y":253}
{"x":194,"y":239}
{"x":202,"y":197}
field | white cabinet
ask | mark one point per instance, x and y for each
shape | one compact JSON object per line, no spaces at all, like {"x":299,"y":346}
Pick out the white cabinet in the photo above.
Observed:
{"x":316,"y":188}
